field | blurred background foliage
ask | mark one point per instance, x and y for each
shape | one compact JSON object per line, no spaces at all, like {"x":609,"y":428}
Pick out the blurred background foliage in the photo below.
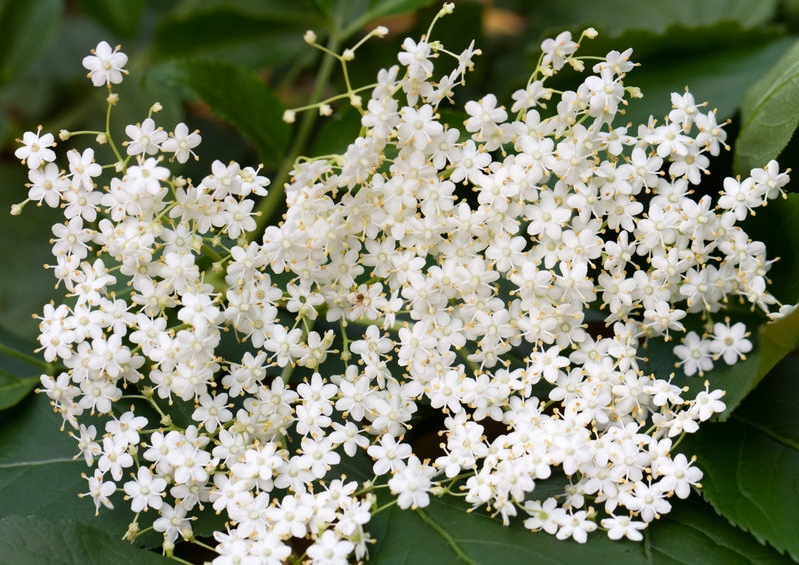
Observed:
{"x":231,"y":67}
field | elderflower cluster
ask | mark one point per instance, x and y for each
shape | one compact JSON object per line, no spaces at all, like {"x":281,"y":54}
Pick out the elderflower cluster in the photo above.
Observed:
{"x":431,"y":267}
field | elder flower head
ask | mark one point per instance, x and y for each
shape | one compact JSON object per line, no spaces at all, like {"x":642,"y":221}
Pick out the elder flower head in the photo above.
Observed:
{"x":454,"y":267}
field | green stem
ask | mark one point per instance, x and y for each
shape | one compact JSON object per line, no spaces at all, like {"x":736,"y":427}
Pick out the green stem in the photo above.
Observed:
{"x":30,"y":359}
{"x":269,"y":206}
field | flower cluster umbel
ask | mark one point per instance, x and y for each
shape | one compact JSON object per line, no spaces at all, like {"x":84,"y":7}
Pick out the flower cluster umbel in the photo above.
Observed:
{"x":427,"y":268}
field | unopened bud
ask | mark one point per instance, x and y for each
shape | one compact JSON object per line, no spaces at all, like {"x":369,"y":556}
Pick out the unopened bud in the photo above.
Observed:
{"x":63,"y":135}
{"x":634,"y":91}
{"x":309,"y":37}
{"x":289,"y":116}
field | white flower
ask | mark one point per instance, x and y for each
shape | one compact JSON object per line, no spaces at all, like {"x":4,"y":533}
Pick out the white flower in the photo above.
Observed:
{"x":145,"y":138}
{"x":100,"y":490}
{"x":694,"y":355}
{"x":145,"y":491}
{"x":412,"y":483}
{"x":173,"y":523}
{"x":105,"y":65}
{"x":388,"y":454}
{"x":708,"y":403}
{"x":648,"y":500}
{"x":623,"y":526}
{"x":576,"y":525}
{"x":679,"y":475}
{"x":557,"y":50}
{"x":181,"y":142}
{"x":36,"y":149}
{"x":212,"y":411}
{"x":329,"y":549}
{"x":729,"y":342}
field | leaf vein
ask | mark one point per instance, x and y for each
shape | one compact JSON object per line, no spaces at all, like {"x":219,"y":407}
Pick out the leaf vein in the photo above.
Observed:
{"x":451,"y":541}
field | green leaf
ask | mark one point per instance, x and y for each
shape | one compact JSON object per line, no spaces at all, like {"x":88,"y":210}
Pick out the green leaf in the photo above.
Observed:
{"x":236,"y":95}
{"x":770,"y":113}
{"x":615,"y":16}
{"x":276,"y":10}
{"x":26,"y":284}
{"x":358,"y":13}
{"x":40,"y":539}
{"x":773,"y":407}
{"x":775,"y":342}
{"x":122,"y":17}
{"x":446,"y":533}
{"x":774,"y":225}
{"x":14,"y":389}
{"x":25,"y":30}
{"x":337,"y":132}
{"x":751,"y":462}
{"x":385,"y":8}
{"x":254,"y":34}
{"x":39,"y":476}
{"x":38,"y":472}
{"x":693,"y":533}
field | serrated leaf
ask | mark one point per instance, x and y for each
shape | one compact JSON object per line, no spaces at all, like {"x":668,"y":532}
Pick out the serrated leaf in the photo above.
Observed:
{"x":40,"y":539}
{"x":236,"y":95}
{"x":751,"y":467}
{"x":13,"y":389}
{"x":445,"y":533}
{"x":693,"y":533}
{"x":122,"y":17}
{"x":25,"y":30}
{"x":770,"y":114}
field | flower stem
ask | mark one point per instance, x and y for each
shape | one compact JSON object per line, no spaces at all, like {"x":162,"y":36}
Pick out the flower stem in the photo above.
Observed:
{"x":269,"y":206}
{"x":21,"y":356}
